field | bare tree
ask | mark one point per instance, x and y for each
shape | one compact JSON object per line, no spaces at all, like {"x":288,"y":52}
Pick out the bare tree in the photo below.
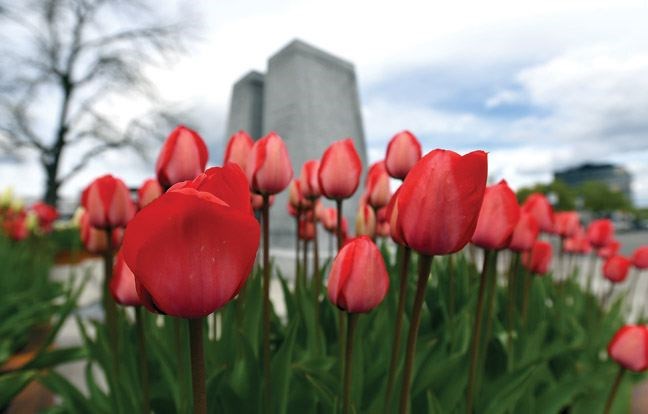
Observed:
{"x":64,"y":63}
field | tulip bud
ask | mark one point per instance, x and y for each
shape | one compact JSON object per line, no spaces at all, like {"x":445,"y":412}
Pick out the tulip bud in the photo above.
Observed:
{"x":339,"y":171}
{"x":616,"y":269}
{"x":329,"y":219}
{"x":538,"y":205}
{"x":365,"y":221}
{"x":498,"y":217}
{"x":238,"y":149}
{"x":629,"y":347}
{"x":306,"y":229}
{"x":122,"y":283}
{"x":566,"y":223}
{"x":537,"y":261}
{"x":403,"y":151}
{"x":108,"y":203}
{"x":358,"y":281}
{"x":440,"y":199}
{"x":391,"y":213}
{"x":257,"y":201}
{"x":611,"y":249}
{"x":577,"y":244}
{"x":268,"y":168}
{"x":149,"y":191}
{"x":378,"y":192}
{"x":640,"y":258}
{"x":94,"y":240}
{"x":183,"y":156}
{"x":309,"y":184}
{"x":296,"y":197}
{"x":15,"y":226}
{"x":525,"y":233}
{"x":600,"y":233}
{"x":46,"y":216}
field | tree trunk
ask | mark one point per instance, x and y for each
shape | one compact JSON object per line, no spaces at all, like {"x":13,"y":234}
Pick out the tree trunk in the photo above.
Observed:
{"x":52,"y":185}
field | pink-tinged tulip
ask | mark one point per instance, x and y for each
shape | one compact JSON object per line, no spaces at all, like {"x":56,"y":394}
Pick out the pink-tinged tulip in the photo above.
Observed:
{"x":378,"y":192}
{"x":439,"y":201}
{"x":108,"y":203}
{"x":306,"y":230}
{"x":403,"y":151}
{"x":577,"y":244}
{"x":600,"y":233}
{"x":309,"y":183}
{"x":538,"y":205}
{"x":365,"y":221}
{"x":329,"y":219}
{"x":566,"y":223}
{"x":46,"y":215}
{"x":640,"y":258}
{"x":149,"y":191}
{"x":238,"y":149}
{"x":358,"y":281}
{"x":391,"y":214}
{"x":257,"y":201}
{"x":382,"y":229}
{"x":611,"y":249}
{"x":192,"y":249}
{"x":525,"y":233}
{"x":498,"y":217}
{"x":616,"y":269}
{"x":537,"y":261}
{"x":122,"y":284}
{"x":296,"y":197}
{"x":340,"y":170}
{"x":184,"y":155}
{"x":629,"y":347}
{"x":268,"y":168}
{"x":94,"y":240}
{"x":15,"y":226}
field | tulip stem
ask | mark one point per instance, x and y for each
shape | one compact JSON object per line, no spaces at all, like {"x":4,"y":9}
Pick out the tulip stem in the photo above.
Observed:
{"x":266,"y":301}
{"x":614,"y":389}
{"x":591,"y":271}
{"x":425,"y":263}
{"x":352,"y":320}
{"x":404,"y":253}
{"x":197,"y":365}
{"x":528,"y":279}
{"x":317,"y":283}
{"x":474,"y":346}
{"x":180,"y":335}
{"x":512,"y":277}
{"x":304,"y":276}
{"x":451,"y":282}
{"x":338,"y":204}
{"x":143,"y":360}
{"x":297,"y":250}
{"x":110,"y":308}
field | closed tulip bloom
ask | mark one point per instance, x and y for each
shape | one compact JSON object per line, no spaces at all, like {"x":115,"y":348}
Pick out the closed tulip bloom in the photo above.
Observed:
{"x":122,"y":283}
{"x":46,"y":215}
{"x":192,"y":249}
{"x":629,"y":347}
{"x":566,"y":223}
{"x":577,"y":244}
{"x":640,"y":258}
{"x":149,"y":191}
{"x":340,"y":170}
{"x":329,"y":219}
{"x":600,"y":232}
{"x":391,"y":213}
{"x":15,"y":227}
{"x":306,"y":229}
{"x":309,"y":183}
{"x":440,"y":199}
{"x":537,"y":261}
{"x":358,"y":281}
{"x":268,"y":168}
{"x":498,"y":217}
{"x":94,"y":240}
{"x":108,"y":203}
{"x":257,"y":201}
{"x":525,"y":233}
{"x":365,"y":221}
{"x":238,"y":149}
{"x":538,"y":205}
{"x":184,"y":155}
{"x":403,"y":151}
{"x":378,"y":192}
{"x":616,"y":269}
{"x":611,"y":249}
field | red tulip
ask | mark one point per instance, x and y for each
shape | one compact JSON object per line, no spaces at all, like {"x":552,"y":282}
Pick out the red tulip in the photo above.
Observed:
{"x":296,"y":197}
{"x":365,"y":221}
{"x":616,"y":269}
{"x":149,"y":191}
{"x":309,"y":183}
{"x":329,"y":219}
{"x":238,"y":149}
{"x":94,"y":240}
{"x":340,"y":170}
{"x":183,"y":156}
{"x":577,"y":244}
{"x":192,"y":249}
{"x":122,"y":283}
{"x":403,"y":151}
{"x":358,"y":281}
{"x":268,"y":168}
{"x":566,"y":223}
{"x":46,"y":215}
{"x":391,"y":213}
{"x":439,"y":201}
{"x":629,"y":347}
{"x":378,"y":192}
{"x":306,"y":229}
{"x":640,"y":258}
{"x":525,"y":233}
{"x":15,"y":226}
{"x":108,"y":203}
{"x":539,"y":258}
{"x":611,"y":249}
{"x":257,"y":201}
{"x":600,"y":232}
{"x":498,"y":217}
{"x":538,"y":205}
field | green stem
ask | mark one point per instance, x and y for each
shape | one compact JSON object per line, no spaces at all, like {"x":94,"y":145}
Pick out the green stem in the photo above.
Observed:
{"x":512,"y":277}
{"x":490,"y":307}
{"x":143,"y":359}
{"x":197,"y":366}
{"x":179,"y":333}
{"x":614,"y":389}
{"x":590,"y":273}
{"x":267,"y":386}
{"x":528,"y":279}
{"x":474,"y":347}
{"x":297,"y":243}
{"x":304,"y":275}
{"x":110,"y":307}
{"x":425,"y":263}
{"x":317,"y":285}
{"x":352,"y":320}
{"x":404,"y":253}
{"x":338,"y":204}
{"x":451,"y":282}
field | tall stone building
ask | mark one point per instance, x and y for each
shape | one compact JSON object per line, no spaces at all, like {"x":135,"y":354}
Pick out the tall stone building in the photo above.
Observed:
{"x":310,"y":98}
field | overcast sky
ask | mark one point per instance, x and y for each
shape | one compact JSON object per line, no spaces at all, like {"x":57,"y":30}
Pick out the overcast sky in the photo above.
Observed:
{"x":540,"y":85}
